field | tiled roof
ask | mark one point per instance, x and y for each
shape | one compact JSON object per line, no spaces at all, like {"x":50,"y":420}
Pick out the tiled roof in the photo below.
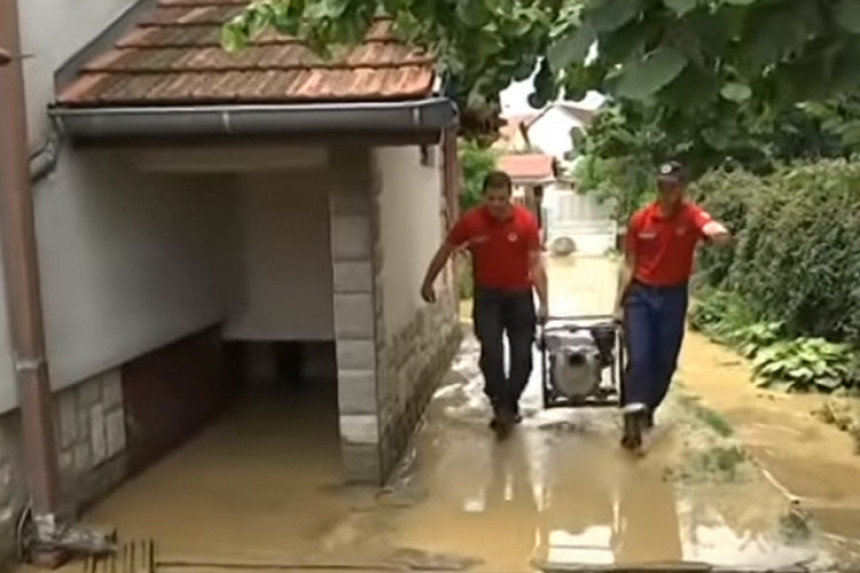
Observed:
{"x":173,"y":57}
{"x":529,"y":166}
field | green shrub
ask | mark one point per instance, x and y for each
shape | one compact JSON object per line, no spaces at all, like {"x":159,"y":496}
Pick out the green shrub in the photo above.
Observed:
{"x":796,"y":258}
{"x":798,"y":364}
{"x":719,"y":314}
{"x":805,"y":364}
{"x":465,"y":277}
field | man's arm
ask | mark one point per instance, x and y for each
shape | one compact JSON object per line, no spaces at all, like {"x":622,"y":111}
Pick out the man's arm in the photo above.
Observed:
{"x":437,"y":263}
{"x":540,"y":281}
{"x":459,"y":235}
{"x":627,"y":267}
{"x":713,"y":231}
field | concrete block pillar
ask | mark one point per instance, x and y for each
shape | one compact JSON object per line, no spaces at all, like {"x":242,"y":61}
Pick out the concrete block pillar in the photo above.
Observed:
{"x":352,"y":230}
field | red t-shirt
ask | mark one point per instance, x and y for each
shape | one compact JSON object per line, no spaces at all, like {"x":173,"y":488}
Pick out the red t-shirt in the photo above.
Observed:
{"x":501,"y":250}
{"x":664,"y":246}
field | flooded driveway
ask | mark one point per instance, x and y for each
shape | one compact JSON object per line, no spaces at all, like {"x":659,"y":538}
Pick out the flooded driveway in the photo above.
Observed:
{"x":261,"y":488}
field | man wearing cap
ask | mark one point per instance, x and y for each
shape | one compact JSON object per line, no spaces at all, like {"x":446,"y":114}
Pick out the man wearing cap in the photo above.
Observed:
{"x":504,"y":240}
{"x":652,"y":294}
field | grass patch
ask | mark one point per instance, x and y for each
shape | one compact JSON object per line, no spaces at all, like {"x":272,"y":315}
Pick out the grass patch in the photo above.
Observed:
{"x":795,"y":526}
{"x":710,"y":418}
{"x":844,"y":413}
{"x":720,"y":460}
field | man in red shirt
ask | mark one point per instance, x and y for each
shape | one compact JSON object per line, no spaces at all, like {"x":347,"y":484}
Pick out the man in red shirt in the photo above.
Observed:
{"x":652,"y":295}
{"x":504,"y":241}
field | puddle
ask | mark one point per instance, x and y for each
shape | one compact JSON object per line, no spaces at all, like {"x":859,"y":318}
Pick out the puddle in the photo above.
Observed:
{"x":261,"y":487}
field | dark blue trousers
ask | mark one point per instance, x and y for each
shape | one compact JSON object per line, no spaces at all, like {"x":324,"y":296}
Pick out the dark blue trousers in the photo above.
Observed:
{"x":654,"y":319}
{"x":496,"y":313}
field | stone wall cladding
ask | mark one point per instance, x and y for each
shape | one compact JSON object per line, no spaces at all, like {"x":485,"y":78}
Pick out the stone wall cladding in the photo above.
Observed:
{"x":91,"y":437}
{"x":89,"y":425}
{"x":415,"y":361}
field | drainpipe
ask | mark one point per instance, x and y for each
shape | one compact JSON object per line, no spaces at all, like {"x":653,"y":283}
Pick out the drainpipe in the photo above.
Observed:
{"x":20,"y":264}
{"x":48,"y":541}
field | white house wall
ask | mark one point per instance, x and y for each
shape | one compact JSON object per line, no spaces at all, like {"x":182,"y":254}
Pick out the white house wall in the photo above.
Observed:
{"x":410,"y":228}
{"x":285,"y":280}
{"x":51,"y":32}
{"x":551,"y":132}
{"x":129,"y":261}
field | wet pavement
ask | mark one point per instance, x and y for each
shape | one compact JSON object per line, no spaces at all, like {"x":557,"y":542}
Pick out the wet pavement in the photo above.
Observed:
{"x":262,"y":486}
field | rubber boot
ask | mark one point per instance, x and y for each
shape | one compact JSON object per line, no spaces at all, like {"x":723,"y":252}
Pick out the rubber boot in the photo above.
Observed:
{"x":636,"y":417}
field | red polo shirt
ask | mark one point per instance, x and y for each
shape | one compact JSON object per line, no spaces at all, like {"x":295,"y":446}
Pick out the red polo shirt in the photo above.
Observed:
{"x":664,"y":246}
{"x":500,"y":249}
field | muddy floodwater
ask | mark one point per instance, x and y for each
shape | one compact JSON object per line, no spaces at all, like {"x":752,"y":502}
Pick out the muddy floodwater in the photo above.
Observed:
{"x":262,"y":486}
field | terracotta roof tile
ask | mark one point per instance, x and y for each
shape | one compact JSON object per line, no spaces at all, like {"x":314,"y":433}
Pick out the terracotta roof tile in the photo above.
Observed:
{"x":529,"y":166}
{"x":173,"y":57}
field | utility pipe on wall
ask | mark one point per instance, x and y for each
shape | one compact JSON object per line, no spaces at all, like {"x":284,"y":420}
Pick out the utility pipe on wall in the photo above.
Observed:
{"x":20,"y":263}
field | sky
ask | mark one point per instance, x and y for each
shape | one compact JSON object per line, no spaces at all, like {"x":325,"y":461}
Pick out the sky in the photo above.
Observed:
{"x":514,"y":99}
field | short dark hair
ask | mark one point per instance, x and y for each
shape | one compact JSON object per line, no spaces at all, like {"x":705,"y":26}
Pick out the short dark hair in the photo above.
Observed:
{"x":498,"y":180}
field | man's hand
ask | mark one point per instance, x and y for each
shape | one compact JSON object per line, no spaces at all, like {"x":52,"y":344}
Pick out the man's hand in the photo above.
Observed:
{"x":618,"y":313}
{"x":543,"y":313}
{"x":428,"y":293}
{"x":717,"y":234}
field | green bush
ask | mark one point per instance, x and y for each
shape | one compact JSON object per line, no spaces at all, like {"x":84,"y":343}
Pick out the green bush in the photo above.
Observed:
{"x":793,"y":364}
{"x":476,"y":161}
{"x":797,"y":254}
{"x":466,"y":278}
{"x":805,"y":364}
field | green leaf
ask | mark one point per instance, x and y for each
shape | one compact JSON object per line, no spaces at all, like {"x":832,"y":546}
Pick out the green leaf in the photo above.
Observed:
{"x":681,"y":7}
{"x":736,"y":92}
{"x":646,"y":77}
{"x":571,"y":48}
{"x":233,"y":37}
{"x":740,"y":2}
{"x":609,"y":15}
{"x":846,"y":14}
{"x":828,"y":382}
{"x":473,"y":13}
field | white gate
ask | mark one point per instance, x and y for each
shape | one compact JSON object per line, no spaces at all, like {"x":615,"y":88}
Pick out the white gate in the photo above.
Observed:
{"x":580,"y":218}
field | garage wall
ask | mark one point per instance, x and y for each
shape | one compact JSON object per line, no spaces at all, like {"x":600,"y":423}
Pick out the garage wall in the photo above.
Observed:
{"x":129,"y":261}
{"x":285,"y":273}
{"x":410,"y":228}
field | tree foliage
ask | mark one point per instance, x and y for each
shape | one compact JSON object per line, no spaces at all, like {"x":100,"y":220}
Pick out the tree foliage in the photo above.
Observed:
{"x":679,"y":55}
{"x":626,"y":141}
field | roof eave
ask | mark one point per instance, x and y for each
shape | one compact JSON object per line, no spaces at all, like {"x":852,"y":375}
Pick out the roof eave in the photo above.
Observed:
{"x":533,"y":180}
{"x":428,"y":115}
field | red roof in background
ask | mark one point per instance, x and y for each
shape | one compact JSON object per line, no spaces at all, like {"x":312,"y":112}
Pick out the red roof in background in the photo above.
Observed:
{"x":173,"y":57}
{"x":529,"y":166}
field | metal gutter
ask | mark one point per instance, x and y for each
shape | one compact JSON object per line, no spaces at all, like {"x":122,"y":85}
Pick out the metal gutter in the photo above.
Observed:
{"x":430,"y":114}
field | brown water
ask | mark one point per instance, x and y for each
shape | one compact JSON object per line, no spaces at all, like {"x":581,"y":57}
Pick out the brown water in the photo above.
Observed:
{"x":262,"y":486}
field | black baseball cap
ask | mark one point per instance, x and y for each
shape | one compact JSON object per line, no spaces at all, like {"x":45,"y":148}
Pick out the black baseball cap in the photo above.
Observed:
{"x":671,"y":171}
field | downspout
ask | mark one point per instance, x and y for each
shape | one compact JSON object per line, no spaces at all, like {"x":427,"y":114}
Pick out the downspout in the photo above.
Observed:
{"x":21,"y":267}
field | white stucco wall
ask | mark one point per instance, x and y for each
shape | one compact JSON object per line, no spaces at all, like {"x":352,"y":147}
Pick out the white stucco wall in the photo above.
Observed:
{"x":410,"y":228}
{"x":285,"y":261}
{"x":51,"y":32}
{"x":129,"y":261}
